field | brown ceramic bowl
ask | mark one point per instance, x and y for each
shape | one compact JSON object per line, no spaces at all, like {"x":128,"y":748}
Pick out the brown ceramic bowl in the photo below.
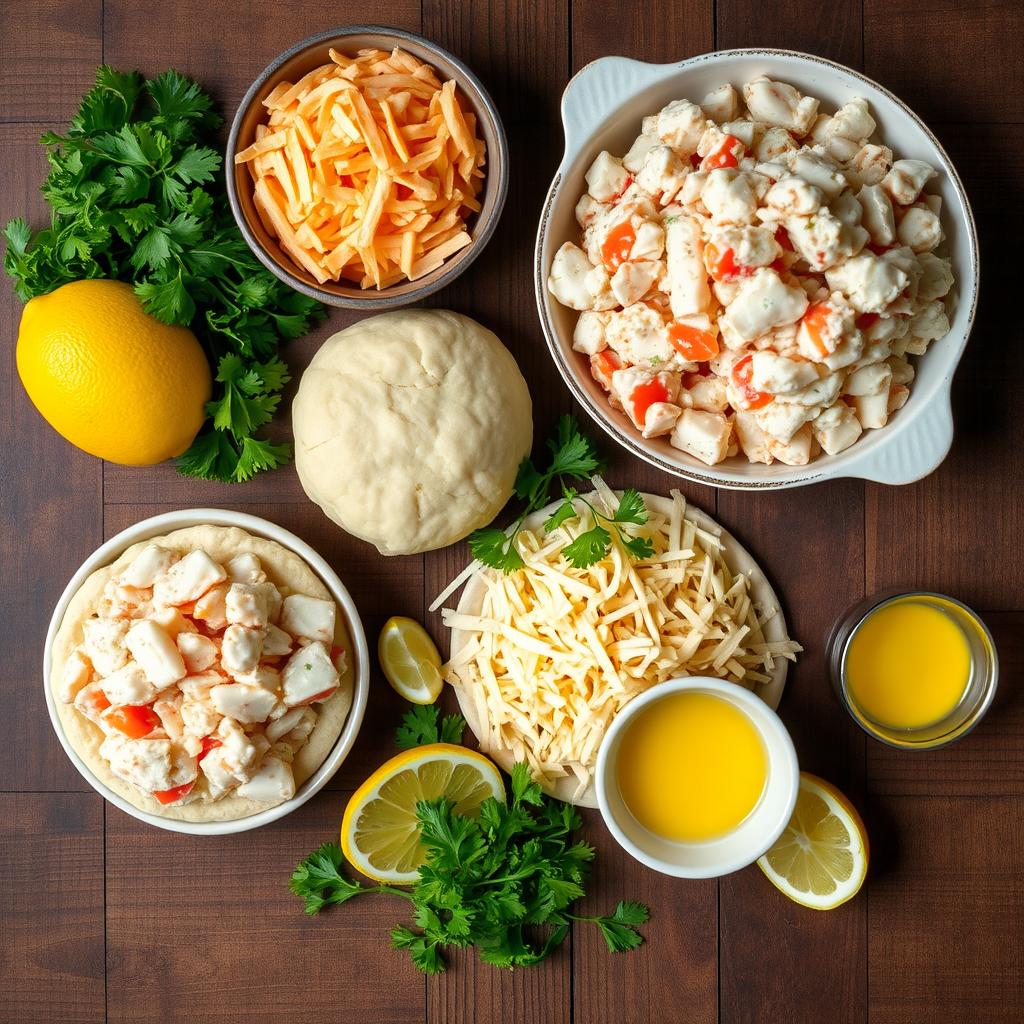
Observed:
{"x":300,"y":60}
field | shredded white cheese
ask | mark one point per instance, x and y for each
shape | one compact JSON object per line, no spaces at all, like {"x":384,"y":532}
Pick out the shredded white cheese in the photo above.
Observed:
{"x":555,"y":652}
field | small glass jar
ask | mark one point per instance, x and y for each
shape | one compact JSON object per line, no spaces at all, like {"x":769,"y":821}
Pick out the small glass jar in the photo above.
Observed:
{"x":977,"y":695}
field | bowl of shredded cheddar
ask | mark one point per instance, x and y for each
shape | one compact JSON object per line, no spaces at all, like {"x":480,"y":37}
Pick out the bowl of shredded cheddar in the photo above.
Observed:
{"x":367,"y":167}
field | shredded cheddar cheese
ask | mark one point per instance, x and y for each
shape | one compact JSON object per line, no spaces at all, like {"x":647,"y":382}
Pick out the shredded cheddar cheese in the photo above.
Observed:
{"x":555,"y":652}
{"x":367,"y":169}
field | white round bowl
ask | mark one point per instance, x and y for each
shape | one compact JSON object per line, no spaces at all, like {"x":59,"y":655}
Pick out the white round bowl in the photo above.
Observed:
{"x":157,"y":526}
{"x":602,"y":107}
{"x":746,"y":842}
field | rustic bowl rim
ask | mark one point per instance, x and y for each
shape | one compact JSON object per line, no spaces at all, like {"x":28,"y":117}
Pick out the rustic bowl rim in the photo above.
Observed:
{"x":497,"y":171}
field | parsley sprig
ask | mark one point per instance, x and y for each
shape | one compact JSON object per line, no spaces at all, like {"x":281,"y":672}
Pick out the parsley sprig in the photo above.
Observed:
{"x":420,"y":725}
{"x":573,"y":457}
{"x":503,"y":882}
{"x":136,"y":193}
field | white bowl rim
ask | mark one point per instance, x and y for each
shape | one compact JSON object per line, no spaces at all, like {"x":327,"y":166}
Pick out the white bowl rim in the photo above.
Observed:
{"x":765,"y":719}
{"x":862,"y":465}
{"x":154,"y":526}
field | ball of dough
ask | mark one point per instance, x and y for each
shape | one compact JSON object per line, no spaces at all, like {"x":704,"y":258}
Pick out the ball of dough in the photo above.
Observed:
{"x":409,"y":428}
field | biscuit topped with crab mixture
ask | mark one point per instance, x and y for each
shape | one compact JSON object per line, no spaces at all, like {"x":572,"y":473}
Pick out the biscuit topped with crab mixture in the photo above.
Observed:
{"x":203,"y":675}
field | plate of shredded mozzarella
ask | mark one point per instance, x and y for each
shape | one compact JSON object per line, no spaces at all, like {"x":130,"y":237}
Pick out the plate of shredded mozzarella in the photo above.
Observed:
{"x":543,"y":659}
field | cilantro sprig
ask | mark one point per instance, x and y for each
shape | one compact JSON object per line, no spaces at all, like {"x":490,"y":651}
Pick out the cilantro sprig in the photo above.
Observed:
{"x":136,"y":193}
{"x":573,"y":457}
{"x":503,"y":882}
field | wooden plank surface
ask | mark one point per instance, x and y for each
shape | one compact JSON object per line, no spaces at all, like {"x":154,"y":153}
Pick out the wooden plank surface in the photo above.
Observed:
{"x":107,"y":920}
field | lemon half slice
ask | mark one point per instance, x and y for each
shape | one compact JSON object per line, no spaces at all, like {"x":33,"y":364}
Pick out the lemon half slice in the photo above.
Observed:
{"x":821,"y":859}
{"x":380,"y":833}
{"x":410,"y":660}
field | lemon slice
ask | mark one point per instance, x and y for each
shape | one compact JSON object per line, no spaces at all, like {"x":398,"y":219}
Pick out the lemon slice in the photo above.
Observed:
{"x":410,"y":660}
{"x":380,"y":833}
{"x":821,"y":859}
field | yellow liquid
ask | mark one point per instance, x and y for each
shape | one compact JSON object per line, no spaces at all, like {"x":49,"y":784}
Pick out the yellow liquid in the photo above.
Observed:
{"x":691,"y":767}
{"x":908,"y":665}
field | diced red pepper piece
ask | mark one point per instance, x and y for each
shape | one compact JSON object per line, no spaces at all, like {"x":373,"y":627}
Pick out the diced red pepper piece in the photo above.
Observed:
{"x":617,"y":246}
{"x":644,"y":396}
{"x":877,"y":249}
{"x":722,"y":266}
{"x":169,"y":796}
{"x":691,"y":343}
{"x":725,"y":155}
{"x":742,"y":374}
{"x":134,"y":720}
{"x":209,"y":743}
{"x":814,"y":322}
{"x":866,"y":320}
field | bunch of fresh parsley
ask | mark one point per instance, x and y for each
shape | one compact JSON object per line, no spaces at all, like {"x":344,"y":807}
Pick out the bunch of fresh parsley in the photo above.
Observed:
{"x":136,"y":193}
{"x":573,"y":457}
{"x":503,"y":882}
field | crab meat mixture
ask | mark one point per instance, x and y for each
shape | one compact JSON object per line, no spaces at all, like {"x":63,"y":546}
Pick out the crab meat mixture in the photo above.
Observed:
{"x":754,"y":274}
{"x":204,"y":678}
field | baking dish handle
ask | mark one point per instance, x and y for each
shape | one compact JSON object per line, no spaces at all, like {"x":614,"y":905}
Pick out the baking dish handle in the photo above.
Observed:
{"x":597,"y":90}
{"x":918,"y":450}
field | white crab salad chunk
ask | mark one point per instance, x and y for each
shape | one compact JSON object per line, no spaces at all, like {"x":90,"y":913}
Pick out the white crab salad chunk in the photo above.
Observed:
{"x":155,"y":652}
{"x":308,"y":617}
{"x":752,"y":276}
{"x":181,"y":669}
{"x":309,"y":675}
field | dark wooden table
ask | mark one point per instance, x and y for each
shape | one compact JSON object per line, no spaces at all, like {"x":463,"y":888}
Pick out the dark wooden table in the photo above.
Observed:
{"x":105,"y":919}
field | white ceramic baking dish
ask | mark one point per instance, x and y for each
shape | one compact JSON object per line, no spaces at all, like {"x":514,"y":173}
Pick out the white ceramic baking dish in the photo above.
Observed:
{"x":602,"y":108}
{"x":158,"y":526}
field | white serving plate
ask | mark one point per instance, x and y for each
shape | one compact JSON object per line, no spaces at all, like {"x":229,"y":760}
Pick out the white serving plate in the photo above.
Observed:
{"x":602,"y":107}
{"x":739,"y":560}
{"x":157,"y":526}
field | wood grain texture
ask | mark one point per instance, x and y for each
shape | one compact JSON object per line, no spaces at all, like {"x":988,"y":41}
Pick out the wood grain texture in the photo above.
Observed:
{"x":674,"y":975}
{"x":49,"y":50}
{"x":51,"y":906}
{"x":950,"y":60}
{"x":658,"y":32}
{"x":831,"y":30}
{"x":205,"y":930}
{"x":945,"y":904}
{"x":41,"y":479}
{"x":793,"y":531}
{"x":966,"y":518}
{"x":227,"y":44}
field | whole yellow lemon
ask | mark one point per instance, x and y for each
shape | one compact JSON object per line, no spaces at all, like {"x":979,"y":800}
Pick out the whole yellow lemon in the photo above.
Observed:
{"x":109,"y":377}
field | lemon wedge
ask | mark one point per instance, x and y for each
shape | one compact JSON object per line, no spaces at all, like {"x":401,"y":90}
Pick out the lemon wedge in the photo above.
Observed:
{"x":380,"y":833}
{"x":821,"y":859}
{"x":410,"y":660}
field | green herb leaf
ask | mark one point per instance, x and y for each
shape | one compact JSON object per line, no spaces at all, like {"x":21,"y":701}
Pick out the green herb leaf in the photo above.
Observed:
{"x":631,"y":508}
{"x":495,"y":548}
{"x":588,"y":548}
{"x":420,"y":725}
{"x":563,"y":514}
{"x":619,"y":929}
{"x":318,"y":879}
